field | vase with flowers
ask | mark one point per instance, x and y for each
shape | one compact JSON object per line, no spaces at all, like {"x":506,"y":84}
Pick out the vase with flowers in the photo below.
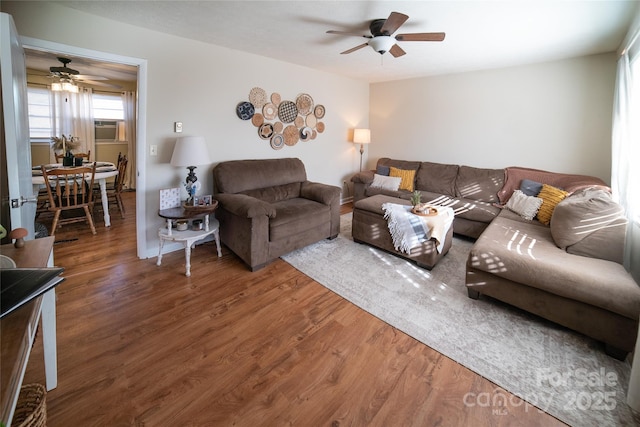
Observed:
{"x":64,"y":144}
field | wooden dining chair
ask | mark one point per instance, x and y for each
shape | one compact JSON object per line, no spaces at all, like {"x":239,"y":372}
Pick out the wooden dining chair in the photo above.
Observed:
{"x":69,"y":190}
{"x":114,"y":189}
{"x":86,"y":156}
{"x":115,"y":194}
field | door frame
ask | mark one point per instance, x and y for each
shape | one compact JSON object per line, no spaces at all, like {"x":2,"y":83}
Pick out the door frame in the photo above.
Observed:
{"x":141,"y":126}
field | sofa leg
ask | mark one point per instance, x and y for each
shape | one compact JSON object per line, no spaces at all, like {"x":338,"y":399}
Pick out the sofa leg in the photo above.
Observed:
{"x":473,"y":294}
{"x":615,"y":352}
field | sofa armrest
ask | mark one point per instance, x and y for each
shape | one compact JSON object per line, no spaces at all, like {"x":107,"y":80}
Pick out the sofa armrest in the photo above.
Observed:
{"x":245,"y":206}
{"x":322,"y":193}
{"x":364,"y":177}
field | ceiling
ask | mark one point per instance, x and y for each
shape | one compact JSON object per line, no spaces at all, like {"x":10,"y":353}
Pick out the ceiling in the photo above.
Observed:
{"x":479,"y":34}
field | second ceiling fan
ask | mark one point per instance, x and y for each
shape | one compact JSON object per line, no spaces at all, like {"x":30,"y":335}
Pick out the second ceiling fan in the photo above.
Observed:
{"x":381,"y":40}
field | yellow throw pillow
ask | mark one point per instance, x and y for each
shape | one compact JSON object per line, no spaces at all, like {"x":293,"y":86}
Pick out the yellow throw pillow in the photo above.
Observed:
{"x":407,"y":176}
{"x":550,"y":196}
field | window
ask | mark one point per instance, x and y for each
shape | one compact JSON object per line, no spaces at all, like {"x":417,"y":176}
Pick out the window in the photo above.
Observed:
{"x":107,"y":107}
{"x":39,"y":107}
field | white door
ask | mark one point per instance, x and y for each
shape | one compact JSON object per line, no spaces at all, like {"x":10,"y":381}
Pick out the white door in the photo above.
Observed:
{"x":16,"y":129}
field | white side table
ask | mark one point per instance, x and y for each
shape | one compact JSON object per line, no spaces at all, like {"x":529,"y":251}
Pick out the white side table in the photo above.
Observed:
{"x":188,"y":237}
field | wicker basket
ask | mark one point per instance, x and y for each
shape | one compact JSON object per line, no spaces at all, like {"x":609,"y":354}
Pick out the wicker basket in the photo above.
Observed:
{"x":31,"y":409}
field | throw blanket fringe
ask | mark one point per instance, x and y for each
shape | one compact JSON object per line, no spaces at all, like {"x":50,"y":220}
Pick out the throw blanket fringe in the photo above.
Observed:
{"x":409,"y":230}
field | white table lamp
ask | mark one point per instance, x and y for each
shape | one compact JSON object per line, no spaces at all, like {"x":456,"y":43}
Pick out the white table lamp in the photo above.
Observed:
{"x":361,"y":136}
{"x":190,"y":151}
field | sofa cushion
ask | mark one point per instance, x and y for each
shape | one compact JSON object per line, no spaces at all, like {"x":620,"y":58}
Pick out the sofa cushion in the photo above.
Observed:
{"x":526,"y":253}
{"x":525,"y":206}
{"x":295,"y":216}
{"x":400,"y":164}
{"x":479,"y":184}
{"x":407,"y":176}
{"x":437,"y":178}
{"x":275,"y":193}
{"x":472,"y":210}
{"x":550,"y":196}
{"x":590,"y":223}
{"x":568,"y":182}
{"x":236,"y":176}
{"x":386,"y":182}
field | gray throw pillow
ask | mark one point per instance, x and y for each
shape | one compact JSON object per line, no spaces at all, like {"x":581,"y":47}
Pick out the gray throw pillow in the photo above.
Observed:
{"x":529,"y":187}
{"x":383,"y":170}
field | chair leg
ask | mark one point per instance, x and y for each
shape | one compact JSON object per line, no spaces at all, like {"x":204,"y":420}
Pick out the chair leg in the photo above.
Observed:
{"x":56,"y":217}
{"x":120,"y":205}
{"x":90,"y":219}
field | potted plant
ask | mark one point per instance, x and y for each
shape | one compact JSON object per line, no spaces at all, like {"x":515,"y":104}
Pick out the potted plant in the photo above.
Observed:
{"x":415,"y":198}
{"x":65,"y":144}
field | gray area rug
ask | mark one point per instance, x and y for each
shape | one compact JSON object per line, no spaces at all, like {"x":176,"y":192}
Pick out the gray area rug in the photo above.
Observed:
{"x":557,"y":370}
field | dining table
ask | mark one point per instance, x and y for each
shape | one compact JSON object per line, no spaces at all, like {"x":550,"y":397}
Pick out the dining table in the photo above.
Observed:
{"x":104,"y":171}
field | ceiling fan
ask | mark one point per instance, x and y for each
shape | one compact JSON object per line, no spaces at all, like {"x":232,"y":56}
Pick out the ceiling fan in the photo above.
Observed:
{"x":381,"y":40}
{"x":66,"y":74}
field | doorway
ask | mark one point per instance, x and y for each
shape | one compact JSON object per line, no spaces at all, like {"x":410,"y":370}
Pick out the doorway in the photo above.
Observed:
{"x":104,"y":59}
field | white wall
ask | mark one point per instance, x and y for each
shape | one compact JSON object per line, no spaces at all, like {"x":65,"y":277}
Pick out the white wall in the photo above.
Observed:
{"x":554,"y":116}
{"x":200,"y":85}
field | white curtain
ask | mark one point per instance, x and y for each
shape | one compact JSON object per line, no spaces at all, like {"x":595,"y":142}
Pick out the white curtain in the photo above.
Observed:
{"x":130,"y":119}
{"x":625,"y":178}
{"x":625,"y":173}
{"x":72,"y":115}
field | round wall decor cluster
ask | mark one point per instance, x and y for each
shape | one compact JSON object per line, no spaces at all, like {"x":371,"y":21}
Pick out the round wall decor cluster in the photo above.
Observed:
{"x":282,"y":122}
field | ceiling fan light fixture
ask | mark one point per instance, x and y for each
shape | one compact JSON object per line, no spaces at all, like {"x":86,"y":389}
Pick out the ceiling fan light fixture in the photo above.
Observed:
{"x":64,"y":86}
{"x":382,"y":44}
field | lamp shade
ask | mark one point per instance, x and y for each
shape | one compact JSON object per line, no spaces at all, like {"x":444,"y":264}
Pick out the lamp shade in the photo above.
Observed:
{"x":382,"y":44}
{"x":190,"y":151}
{"x":362,"y":136}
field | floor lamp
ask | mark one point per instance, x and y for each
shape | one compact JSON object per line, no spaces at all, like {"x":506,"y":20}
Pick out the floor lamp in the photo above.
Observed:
{"x":361,"y":136}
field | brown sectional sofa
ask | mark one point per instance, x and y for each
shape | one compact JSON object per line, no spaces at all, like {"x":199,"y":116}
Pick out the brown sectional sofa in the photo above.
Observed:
{"x":568,"y":272}
{"x":268,"y":208}
{"x":470,"y":191}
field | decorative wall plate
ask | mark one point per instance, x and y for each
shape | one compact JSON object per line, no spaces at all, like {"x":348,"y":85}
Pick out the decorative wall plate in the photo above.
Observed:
{"x":278,"y":127}
{"x":245,"y":110}
{"x":269,"y":111}
{"x":275,"y":98}
{"x":266,"y":131}
{"x":320,"y":127}
{"x":299,"y":122}
{"x":304,"y":103}
{"x":257,"y":119}
{"x":277,"y":141}
{"x":258,"y":97}
{"x":305,"y":133}
{"x":311,"y":120}
{"x":291,"y":135}
{"x":287,"y":112}
{"x":319,"y":111}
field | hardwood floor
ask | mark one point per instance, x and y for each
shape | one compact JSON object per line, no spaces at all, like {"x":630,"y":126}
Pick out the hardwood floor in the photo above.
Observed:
{"x":144,"y":345}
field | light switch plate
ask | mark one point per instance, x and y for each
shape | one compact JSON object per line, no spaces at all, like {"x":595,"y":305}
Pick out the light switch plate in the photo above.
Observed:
{"x":177,"y":127}
{"x":153,"y":150}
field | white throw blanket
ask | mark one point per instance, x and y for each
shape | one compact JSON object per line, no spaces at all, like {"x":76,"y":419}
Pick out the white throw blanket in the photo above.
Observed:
{"x":409,"y":230}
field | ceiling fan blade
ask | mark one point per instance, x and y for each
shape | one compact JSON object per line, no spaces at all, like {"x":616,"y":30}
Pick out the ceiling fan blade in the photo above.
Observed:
{"x":347,"y":33}
{"x":396,"y":51}
{"x":420,"y":37}
{"x":393,"y":22}
{"x":88,"y":77}
{"x":353,"y":49}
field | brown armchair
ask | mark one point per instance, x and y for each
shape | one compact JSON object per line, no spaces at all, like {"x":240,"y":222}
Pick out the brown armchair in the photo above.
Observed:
{"x":268,"y":208}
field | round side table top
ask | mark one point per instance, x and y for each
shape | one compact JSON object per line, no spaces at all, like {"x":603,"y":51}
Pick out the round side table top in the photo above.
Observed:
{"x":189,"y":212}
